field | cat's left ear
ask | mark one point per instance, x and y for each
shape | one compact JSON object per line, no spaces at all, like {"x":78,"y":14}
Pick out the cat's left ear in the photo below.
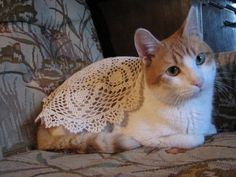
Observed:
{"x":192,"y":26}
{"x":145,"y":44}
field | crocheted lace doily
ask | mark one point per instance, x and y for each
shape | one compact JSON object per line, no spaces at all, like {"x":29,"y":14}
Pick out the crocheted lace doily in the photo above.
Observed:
{"x":99,"y":94}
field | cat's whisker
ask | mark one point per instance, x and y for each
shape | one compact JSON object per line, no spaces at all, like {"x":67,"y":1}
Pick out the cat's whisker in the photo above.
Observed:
{"x":225,"y":78}
{"x":173,"y":99}
{"x":223,"y":89}
{"x":185,"y":93}
{"x":226,"y":87}
{"x":177,"y":99}
{"x":221,"y":84}
{"x":224,"y":72}
{"x":181,"y":99}
{"x":223,"y":93}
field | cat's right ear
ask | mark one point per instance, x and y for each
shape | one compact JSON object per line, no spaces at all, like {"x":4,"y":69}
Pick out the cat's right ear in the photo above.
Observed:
{"x":192,"y":24}
{"x":145,"y":44}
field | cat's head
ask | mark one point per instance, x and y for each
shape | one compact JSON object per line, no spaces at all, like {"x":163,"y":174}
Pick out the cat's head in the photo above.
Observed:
{"x":179,"y":67}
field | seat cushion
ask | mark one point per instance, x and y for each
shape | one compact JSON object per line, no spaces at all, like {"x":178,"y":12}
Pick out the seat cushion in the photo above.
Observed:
{"x":216,"y":157}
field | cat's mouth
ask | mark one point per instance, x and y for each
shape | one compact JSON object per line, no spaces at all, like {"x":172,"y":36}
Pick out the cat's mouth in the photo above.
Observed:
{"x":190,"y":93}
{"x":197,"y":91}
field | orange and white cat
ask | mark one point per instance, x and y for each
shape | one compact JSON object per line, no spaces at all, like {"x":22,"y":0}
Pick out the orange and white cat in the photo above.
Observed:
{"x":176,"y":110}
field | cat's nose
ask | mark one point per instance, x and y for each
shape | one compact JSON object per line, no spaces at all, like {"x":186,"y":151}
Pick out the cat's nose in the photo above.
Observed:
{"x":197,"y":83}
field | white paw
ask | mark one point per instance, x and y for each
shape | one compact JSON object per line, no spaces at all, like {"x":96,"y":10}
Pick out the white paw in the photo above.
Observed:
{"x":152,"y":142}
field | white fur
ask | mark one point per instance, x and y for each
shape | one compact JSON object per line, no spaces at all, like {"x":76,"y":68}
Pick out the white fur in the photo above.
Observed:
{"x":160,"y":124}
{"x":176,"y":113}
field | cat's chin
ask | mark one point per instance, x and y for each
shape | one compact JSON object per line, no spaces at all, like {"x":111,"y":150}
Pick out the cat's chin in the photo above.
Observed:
{"x":197,"y":91}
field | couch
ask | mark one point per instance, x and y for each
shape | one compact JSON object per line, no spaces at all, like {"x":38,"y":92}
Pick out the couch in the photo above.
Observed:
{"x":43,"y":42}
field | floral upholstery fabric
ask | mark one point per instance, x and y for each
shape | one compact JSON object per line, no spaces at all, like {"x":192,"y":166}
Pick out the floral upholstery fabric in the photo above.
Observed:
{"x":41,"y":44}
{"x":216,"y":158}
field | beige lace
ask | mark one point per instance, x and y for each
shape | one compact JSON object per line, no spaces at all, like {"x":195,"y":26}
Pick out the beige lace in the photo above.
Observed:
{"x":99,"y":94}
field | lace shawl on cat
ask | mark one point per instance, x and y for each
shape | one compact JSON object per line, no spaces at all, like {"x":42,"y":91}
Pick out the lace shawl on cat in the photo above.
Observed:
{"x":99,"y":94}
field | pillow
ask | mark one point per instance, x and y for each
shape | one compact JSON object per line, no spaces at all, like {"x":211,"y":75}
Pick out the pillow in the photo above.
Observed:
{"x":15,"y":11}
{"x":35,"y":58}
{"x":225,"y":96}
{"x":42,"y":11}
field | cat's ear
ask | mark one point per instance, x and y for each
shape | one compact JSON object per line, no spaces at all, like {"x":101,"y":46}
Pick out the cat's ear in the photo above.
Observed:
{"x":145,"y":44}
{"x":192,"y":26}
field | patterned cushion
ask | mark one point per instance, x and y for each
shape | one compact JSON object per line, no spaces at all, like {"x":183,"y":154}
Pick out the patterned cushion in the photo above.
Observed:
{"x":216,"y":158}
{"x":36,"y":55}
{"x":43,"y":11}
{"x":225,"y":96}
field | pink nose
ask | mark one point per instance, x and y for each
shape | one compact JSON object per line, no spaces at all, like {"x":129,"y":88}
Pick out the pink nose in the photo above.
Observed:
{"x":197,"y":83}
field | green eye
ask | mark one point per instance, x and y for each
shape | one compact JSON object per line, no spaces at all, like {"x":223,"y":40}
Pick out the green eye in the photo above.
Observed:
{"x":173,"y":71}
{"x":200,"y":59}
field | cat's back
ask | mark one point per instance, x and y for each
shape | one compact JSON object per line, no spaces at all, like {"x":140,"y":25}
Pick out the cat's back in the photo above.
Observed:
{"x":101,"y":91}
{"x":107,"y":69}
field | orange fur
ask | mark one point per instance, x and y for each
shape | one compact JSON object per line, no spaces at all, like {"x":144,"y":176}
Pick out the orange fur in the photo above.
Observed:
{"x":60,"y":139}
{"x":54,"y":138}
{"x":171,"y":53}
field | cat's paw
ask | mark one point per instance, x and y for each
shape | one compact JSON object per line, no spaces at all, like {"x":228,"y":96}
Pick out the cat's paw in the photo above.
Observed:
{"x":150,"y":142}
{"x":185,"y":141}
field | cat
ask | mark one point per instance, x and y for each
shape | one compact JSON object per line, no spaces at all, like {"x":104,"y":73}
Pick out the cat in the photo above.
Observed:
{"x":176,"y":77}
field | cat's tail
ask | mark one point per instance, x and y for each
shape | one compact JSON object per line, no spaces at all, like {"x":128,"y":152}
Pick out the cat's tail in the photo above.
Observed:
{"x":59,"y":139}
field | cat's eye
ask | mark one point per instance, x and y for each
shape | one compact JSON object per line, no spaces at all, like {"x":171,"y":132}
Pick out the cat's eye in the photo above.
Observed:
{"x":173,"y":71}
{"x":200,"y":59}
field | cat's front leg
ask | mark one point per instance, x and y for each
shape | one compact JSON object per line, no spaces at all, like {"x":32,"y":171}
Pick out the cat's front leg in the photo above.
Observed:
{"x":185,"y":141}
